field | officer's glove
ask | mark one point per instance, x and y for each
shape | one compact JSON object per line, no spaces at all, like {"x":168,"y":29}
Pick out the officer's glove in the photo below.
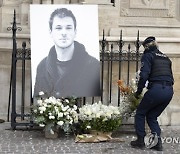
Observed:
{"x":136,"y":95}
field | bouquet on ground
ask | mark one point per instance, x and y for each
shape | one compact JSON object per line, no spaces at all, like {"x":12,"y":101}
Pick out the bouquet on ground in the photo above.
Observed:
{"x":128,"y":103}
{"x":53,"y":112}
{"x":99,"y":117}
{"x":98,"y":121}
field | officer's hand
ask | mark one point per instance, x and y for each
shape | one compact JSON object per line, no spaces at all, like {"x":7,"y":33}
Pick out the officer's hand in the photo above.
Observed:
{"x":136,"y":95}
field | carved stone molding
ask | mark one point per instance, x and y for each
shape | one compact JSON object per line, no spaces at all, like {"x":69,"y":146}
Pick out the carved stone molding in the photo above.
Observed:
{"x":148,"y":8}
{"x":124,"y":12}
{"x":149,"y":4}
{"x":172,"y":8}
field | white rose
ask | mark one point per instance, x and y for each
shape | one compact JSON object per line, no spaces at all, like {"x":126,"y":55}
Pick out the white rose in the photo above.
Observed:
{"x":41,"y":93}
{"x":39,"y":102}
{"x":41,"y":125}
{"x":53,"y":100}
{"x":66,"y":113}
{"x":88,"y":127}
{"x":42,"y":108}
{"x":51,"y":117}
{"x":44,"y":104}
{"x":47,"y":101}
{"x":41,"y":112}
{"x":98,"y":115}
{"x":71,"y":122}
{"x":88,"y":112}
{"x":75,"y":107}
{"x":66,"y":100}
{"x":68,"y":117}
{"x":108,"y":115}
{"x":95,"y":109}
{"x":59,"y":103}
{"x":116,"y":111}
{"x":60,"y":114}
{"x":69,"y":110}
{"x":76,"y":119}
{"x":65,"y":108}
{"x":60,"y":123}
{"x":105,"y":119}
{"x":101,"y":113}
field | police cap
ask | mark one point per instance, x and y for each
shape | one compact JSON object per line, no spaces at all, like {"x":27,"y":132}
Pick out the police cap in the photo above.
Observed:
{"x":148,"y":40}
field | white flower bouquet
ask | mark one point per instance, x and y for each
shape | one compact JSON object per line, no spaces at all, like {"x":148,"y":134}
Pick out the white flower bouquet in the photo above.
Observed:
{"x":55,"y":112}
{"x":128,"y":103}
{"x":99,"y":117}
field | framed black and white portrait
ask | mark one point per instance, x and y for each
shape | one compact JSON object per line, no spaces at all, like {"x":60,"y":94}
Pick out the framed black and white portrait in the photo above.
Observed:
{"x":65,"y":50}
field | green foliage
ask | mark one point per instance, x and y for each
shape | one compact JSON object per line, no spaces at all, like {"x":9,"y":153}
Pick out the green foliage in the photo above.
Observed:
{"x":100,"y":125}
{"x":134,"y":101}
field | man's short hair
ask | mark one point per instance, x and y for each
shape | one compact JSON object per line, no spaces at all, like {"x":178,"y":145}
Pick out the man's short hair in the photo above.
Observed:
{"x":61,"y":13}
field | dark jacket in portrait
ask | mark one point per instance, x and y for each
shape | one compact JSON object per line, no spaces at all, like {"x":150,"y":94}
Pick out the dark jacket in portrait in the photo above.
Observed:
{"x":77,"y":77}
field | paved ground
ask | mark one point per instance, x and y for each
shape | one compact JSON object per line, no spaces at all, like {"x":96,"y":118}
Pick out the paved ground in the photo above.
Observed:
{"x":23,"y":141}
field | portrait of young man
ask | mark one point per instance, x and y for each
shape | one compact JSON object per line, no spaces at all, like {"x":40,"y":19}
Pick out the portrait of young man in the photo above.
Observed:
{"x":67,"y":69}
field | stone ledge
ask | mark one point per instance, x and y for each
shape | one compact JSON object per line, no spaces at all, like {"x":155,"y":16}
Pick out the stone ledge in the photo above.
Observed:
{"x":99,"y":2}
{"x":19,"y":36}
{"x":6,"y":42}
{"x":164,"y":32}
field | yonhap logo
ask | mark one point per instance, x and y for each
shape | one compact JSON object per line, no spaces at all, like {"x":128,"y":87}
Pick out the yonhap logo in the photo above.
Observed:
{"x":151,"y":140}
{"x":168,"y":140}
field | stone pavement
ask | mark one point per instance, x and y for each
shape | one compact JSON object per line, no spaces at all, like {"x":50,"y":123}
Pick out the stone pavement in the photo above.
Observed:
{"x":24,"y":141}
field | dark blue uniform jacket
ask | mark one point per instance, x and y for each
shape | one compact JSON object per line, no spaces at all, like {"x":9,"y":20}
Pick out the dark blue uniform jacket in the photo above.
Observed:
{"x":147,"y":62}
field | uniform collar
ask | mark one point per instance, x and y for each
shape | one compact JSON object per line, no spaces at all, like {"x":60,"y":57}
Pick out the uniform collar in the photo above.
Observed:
{"x":151,"y":49}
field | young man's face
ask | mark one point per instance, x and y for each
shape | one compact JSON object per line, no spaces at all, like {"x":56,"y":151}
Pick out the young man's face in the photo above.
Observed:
{"x":63,"y":31}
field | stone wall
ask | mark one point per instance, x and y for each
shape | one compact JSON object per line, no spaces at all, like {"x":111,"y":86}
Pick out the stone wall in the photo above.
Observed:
{"x":160,"y":18}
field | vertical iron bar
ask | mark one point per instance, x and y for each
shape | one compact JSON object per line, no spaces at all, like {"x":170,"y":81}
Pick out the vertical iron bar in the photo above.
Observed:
{"x":120,"y":44}
{"x":129,"y":48}
{"x":23,"y":79}
{"x":102,"y":65}
{"x":113,"y":2}
{"x":13,"y":113}
{"x":10,"y":89}
{"x":92,"y":100}
{"x":108,"y":71}
{"x":84,"y":100}
{"x":137,"y":44}
{"x":110,"y":82}
{"x":31,"y":103}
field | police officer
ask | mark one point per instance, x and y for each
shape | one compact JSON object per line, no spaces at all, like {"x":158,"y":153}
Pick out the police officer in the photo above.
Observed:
{"x":156,"y":69}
